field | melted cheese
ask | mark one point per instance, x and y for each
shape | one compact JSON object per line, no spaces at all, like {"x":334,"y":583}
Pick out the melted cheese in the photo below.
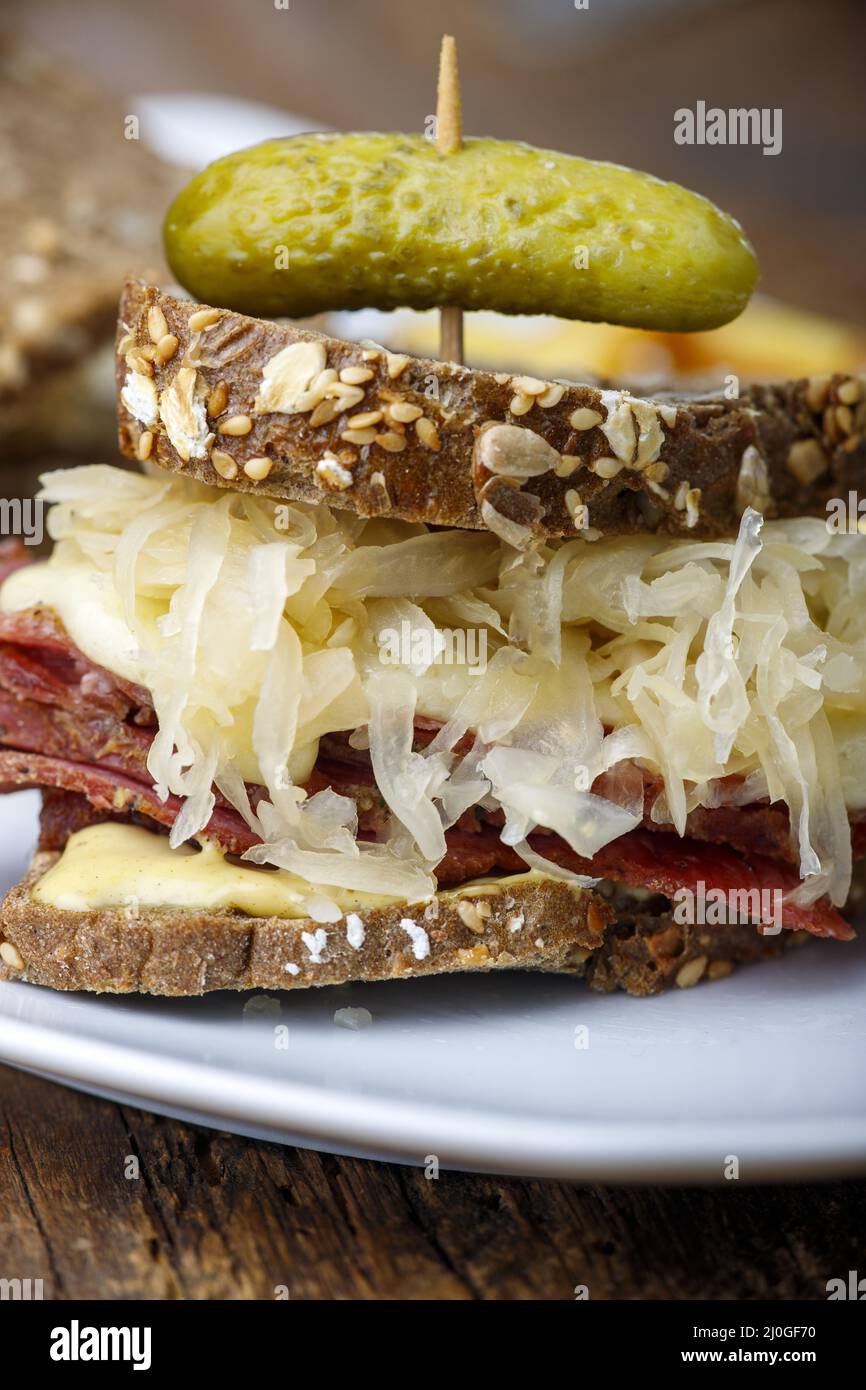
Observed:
{"x":484,"y":887}
{"x":110,"y":866}
{"x":114,"y":866}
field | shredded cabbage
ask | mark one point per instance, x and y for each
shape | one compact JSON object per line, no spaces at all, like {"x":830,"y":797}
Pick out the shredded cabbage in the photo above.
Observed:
{"x":732,"y":669}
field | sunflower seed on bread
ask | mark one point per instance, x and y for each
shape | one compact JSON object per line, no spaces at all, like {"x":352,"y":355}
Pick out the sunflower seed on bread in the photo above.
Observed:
{"x":677,"y":464}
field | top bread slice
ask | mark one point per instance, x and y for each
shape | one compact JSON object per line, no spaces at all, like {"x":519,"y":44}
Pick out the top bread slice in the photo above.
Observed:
{"x":270,"y":408}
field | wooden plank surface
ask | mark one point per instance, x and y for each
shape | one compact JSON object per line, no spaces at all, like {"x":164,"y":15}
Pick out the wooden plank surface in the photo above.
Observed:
{"x":212,"y":1215}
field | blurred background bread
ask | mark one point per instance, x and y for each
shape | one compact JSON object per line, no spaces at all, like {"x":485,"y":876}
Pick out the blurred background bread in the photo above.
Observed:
{"x":81,"y":206}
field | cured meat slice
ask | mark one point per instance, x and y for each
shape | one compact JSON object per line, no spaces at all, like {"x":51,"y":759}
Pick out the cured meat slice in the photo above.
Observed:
{"x":73,"y":726}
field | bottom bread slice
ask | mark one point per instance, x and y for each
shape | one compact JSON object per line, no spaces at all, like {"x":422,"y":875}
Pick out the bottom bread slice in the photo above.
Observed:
{"x":537,"y":924}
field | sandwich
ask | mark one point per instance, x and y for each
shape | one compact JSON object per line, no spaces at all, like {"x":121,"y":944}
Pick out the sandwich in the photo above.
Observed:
{"x":384,"y":666}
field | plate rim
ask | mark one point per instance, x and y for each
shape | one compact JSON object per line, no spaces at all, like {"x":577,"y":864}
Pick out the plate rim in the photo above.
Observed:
{"x":303,"y":1114}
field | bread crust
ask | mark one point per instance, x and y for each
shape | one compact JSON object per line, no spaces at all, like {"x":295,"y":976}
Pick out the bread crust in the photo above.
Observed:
{"x":543,"y":924}
{"x":183,"y":952}
{"x":785,"y":449}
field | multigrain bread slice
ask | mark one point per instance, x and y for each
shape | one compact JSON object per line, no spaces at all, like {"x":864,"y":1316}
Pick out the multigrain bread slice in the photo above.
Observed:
{"x":542,"y":925}
{"x":289,"y":413}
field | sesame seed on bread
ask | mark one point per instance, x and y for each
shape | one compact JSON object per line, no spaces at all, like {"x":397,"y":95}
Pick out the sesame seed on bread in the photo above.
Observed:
{"x":270,"y":408}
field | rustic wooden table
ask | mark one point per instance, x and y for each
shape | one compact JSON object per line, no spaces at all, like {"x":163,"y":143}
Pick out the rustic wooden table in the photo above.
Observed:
{"x":213,"y":1216}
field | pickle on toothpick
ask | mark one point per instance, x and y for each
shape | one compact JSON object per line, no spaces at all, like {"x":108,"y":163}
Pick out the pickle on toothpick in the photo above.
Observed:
{"x":310,"y":223}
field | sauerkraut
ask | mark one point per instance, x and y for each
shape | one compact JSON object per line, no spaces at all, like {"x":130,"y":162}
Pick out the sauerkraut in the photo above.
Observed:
{"x":256,"y":627}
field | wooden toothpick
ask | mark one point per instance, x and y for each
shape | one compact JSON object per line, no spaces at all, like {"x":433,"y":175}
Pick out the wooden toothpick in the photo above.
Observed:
{"x":449,"y":137}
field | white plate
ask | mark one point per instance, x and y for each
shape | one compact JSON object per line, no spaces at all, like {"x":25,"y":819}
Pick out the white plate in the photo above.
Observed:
{"x":483,"y":1072}
{"x":191,"y":129}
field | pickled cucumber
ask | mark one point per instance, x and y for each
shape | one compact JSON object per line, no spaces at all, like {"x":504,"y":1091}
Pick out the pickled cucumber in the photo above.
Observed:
{"x":310,"y":223}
